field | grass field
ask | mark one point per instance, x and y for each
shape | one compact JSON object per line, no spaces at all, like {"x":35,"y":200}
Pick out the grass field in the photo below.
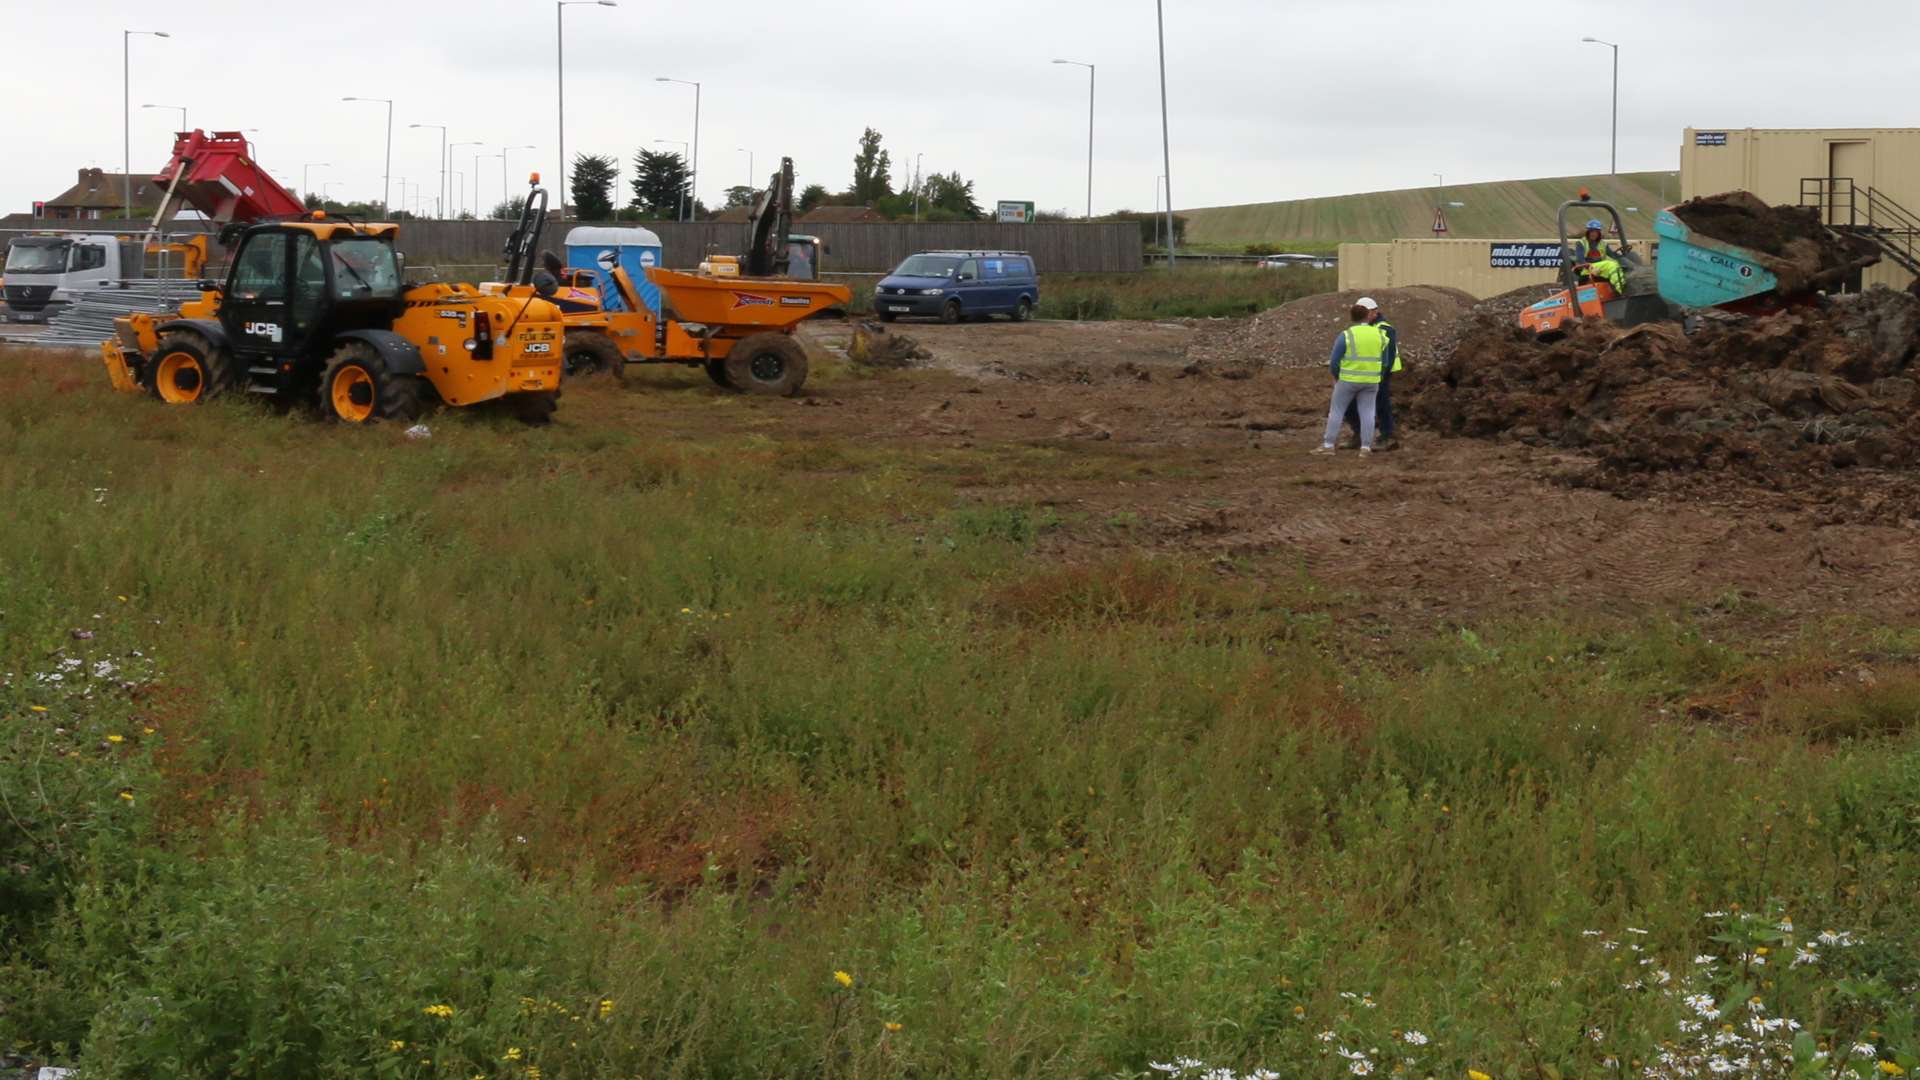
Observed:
{"x":1507,"y":210}
{"x":661,"y":743}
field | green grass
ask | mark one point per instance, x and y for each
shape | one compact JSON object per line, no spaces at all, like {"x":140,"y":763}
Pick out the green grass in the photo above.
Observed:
{"x":618,"y":744}
{"x":1504,"y":210}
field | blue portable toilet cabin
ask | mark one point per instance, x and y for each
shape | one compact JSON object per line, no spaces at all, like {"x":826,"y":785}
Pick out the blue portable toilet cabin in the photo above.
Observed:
{"x":600,"y":248}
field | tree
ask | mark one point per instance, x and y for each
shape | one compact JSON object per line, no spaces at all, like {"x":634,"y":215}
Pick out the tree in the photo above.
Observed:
{"x":813,"y":195}
{"x":950,"y":193}
{"x":509,"y":210}
{"x":739,"y":195}
{"x":872,"y":171}
{"x":591,"y":186}
{"x":659,"y":184}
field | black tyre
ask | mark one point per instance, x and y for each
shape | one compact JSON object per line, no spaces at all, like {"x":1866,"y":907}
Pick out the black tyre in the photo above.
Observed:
{"x":717,"y":371}
{"x":950,"y":313}
{"x":536,"y":408}
{"x":773,"y":364}
{"x":359,"y":388}
{"x":589,"y":352}
{"x":186,"y":370}
{"x":1023,"y":310}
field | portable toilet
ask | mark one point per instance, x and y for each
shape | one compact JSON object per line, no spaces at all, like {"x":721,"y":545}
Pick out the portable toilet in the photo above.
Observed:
{"x":600,"y":248}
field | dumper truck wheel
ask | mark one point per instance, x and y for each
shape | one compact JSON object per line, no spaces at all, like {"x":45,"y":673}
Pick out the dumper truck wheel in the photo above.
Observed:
{"x":358,"y":388}
{"x":590,"y":352}
{"x":772,"y":364}
{"x":185,"y":370}
{"x":717,"y":371}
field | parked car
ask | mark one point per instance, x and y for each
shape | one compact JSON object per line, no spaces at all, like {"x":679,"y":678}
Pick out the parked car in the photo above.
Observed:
{"x":955,"y":285}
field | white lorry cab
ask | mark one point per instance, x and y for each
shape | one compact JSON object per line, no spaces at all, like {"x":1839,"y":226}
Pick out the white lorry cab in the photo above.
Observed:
{"x":44,"y":271}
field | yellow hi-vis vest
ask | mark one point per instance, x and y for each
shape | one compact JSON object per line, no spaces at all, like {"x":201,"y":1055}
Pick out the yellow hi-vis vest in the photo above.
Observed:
{"x":1366,"y":347}
{"x":1386,"y":327}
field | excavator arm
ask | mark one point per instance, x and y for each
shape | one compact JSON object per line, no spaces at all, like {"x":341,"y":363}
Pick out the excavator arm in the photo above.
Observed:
{"x":768,"y":224}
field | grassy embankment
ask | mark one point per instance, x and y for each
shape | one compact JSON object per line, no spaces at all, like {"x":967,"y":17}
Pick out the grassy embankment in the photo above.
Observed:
{"x":600,"y":750}
{"x":1196,"y":292}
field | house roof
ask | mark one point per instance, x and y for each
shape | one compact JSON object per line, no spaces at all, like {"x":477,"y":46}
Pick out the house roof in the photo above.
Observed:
{"x":829,"y":215}
{"x":100,"y":190}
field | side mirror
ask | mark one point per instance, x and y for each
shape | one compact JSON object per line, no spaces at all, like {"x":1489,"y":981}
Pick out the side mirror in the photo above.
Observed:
{"x":206,"y":285}
{"x":964,"y":277}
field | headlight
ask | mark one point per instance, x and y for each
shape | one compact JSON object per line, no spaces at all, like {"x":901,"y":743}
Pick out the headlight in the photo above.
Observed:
{"x":470,"y":344}
{"x":932,"y":292}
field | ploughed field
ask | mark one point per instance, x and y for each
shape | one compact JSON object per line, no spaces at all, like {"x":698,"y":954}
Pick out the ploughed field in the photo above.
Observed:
{"x":1037,"y":708}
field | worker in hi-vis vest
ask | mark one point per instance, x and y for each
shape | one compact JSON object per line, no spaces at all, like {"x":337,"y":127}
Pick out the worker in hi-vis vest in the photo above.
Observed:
{"x":1359,"y":359}
{"x":1600,"y":262}
{"x":1383,"y":402}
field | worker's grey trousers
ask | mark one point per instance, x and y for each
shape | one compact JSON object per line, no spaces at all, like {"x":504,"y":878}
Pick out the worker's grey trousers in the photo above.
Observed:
{"x":1350,"y":393}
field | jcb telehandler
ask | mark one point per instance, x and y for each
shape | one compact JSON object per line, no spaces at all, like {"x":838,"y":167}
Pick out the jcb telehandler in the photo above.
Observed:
{"x":315,"y":310}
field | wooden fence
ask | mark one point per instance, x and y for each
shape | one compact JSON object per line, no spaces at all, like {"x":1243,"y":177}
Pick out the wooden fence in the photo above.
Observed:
{"x":1056,"y":247}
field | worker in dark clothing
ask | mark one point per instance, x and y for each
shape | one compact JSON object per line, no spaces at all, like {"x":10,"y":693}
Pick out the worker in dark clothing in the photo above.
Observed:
{"x":546,"y":283}
{"x":1383,"y":402}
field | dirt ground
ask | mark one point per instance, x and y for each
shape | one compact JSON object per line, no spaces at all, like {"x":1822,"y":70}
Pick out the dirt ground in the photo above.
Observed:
{"x":1141,"y":447}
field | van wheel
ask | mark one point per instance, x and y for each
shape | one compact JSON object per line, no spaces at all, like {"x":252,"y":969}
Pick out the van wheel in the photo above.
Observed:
{"x":1023,"y":310}
{"x":770,"y":363}
{"x":950,"y":313}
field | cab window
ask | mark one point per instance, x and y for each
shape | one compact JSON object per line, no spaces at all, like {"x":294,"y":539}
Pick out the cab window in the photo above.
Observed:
{"x":309,"y":282}
{"x":88,"y":257}
{"x":970,"y":269}
{"x":261,"y":271}
{"x":365,"y":268}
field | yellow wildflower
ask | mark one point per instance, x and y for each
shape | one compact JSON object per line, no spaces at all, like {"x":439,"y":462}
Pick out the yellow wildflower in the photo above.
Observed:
{"x":1891,"y":1069}
{"x":148,"y":730}
{"x":891,"y":1026}
{"x":606,"y":1008}
{"x":442,"y":1011}
{"x":1761,"y":951}
{"x":38,"y":708}
{"x":843,"y":978}
{"x":127,"y":795}
{"x":122,"y":599}
{"x":533,"y":1072}
{"x":513,"y":1053}
{"x":397,"y":1044}
{"x":116,"y":738}
{"x":1476,"y":1074}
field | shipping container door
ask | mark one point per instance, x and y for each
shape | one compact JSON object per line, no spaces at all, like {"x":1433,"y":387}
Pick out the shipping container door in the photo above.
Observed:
{"x":1851,"y":164}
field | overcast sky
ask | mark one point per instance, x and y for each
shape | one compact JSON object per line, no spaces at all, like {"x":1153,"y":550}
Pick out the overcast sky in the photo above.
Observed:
{"x":1269,"y":99}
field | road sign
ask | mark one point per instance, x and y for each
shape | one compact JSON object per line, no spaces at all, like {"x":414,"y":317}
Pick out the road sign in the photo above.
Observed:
{"x":1439,"y":221}
{"x":1014,"y":213}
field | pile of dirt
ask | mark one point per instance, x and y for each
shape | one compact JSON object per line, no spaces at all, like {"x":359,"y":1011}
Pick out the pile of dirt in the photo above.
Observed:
{"x":1300,"y":334}
{"x":1799,"y":249}
{"x":873,"y":345}
{"x":1817,"y":387}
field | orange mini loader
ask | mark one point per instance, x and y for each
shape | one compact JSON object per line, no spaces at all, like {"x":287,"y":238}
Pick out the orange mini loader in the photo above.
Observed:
{"x":740,"y":329}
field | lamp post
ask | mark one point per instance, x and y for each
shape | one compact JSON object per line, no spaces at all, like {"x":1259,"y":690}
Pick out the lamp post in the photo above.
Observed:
{"x":386,"y":176}
{"x":1166,"y":139}
{"x":560,"y":78}
{"x":323,"y":190}
{"x":506,"y":188}
{"x":693,"y":163}
{"x":181,"y":109}
{"x":917,"y":185}
{"x":306,"y":174}
{"x":442,"y":129}
{"x":461,"y":203}
{"x":1156,"y":209}
{"x":1613,"y":169}
{"x":1090,"y":77}
{"x":680,"y":213}
{"x":126,"y":107}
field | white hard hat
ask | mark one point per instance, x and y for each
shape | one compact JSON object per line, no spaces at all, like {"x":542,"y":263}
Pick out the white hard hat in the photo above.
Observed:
{"x":1367,"y":302}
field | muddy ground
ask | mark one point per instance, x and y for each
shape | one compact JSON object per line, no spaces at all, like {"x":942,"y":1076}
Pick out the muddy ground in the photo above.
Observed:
{"x":1134,"y":446}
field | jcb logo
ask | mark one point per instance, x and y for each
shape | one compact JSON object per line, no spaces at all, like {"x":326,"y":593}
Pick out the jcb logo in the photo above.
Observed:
{"x":268,"y":330}
{"x":538,"y":348}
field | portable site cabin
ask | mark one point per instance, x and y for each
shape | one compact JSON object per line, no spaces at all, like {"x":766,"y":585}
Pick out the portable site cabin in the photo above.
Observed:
{"x":600,"y":248}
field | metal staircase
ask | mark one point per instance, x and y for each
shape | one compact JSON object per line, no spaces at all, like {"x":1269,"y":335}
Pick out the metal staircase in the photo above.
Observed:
{"x":1868,"y":212}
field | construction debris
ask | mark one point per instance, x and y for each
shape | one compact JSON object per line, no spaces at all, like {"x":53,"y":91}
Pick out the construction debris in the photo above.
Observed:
{"x":1300,"y":334}
{"x":1824,"y":386}
{"x":874,"y":345}
{"x":1800,"y":251}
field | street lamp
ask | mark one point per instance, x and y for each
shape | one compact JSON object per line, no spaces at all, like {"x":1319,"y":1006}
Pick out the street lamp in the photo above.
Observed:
{"x":917,"y":185}
{"x":560,"y":77}
{"x":1090,"y":77}
{"x":325,"y":186}
{"x":1156,"y":209}
{"x":462,"y":203}
{"x":126,"y":106}
{"x":181,"y":109}
{"x":442,"y":128}
{"x":506,"y":188}
{"x":386,"y":178}
{"x":1166,"y":139}
{"x":693,"y":181}
{"x":680,"y":213}
{"x":1614,"y":168}
{"x":306,"y":173}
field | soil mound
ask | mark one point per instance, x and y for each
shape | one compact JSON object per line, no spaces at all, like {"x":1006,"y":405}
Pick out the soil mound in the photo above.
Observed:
{"x":1811,"y":388}
{"x":1300,"y":334}
{"x":1800,"y":251}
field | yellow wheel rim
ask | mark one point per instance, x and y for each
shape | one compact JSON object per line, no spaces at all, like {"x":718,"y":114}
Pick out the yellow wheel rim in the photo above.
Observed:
{"x":180,"y":378}
{"x":353,"y":394}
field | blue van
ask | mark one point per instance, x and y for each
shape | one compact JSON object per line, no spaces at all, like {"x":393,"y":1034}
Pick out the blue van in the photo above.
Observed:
{"x":955,"y":285}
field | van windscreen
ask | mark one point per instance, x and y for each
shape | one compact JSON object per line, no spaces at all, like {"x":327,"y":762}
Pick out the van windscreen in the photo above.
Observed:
{"x":940,"y":266}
